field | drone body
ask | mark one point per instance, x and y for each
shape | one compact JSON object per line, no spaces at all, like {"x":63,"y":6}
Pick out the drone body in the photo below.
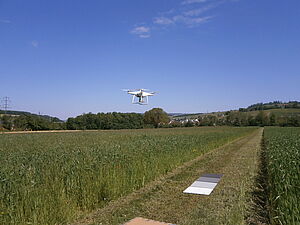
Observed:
{"x":141,"y":95}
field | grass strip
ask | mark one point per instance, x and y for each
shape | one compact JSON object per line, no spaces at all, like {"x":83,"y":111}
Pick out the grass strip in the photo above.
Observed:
{"x":163,"y":199}
{"x":51,"y":178}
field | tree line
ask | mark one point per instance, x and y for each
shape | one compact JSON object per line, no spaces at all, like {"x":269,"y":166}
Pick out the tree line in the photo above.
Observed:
{"x":30,"y":122}
{"x":272,"y":105}
{"x":153,"y":118}
{"x":100,"y":121}
{"x":237,"y":118}
{"x":106,"y":121}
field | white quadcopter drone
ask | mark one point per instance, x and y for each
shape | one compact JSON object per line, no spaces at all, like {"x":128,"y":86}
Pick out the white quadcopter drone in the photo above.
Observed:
{"x":141,"y":95}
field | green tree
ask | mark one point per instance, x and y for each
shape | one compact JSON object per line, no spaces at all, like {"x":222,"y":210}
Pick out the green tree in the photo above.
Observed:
{"x":272,"y":119}
{"x":156,"y":117}
{"x":7,"y":122}
{"x":106,"y":121}
{"x":262,"y":118}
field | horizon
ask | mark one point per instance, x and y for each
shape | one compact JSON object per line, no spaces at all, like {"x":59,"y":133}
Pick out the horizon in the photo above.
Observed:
{"x":179,"y":113}
{"x":68,"y":58}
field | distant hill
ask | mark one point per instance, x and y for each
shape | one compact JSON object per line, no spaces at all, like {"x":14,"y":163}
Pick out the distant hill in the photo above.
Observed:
{"x":175,"y":114}
{"x":272,"y":105}
{"x":193,"y":115}
{"x":19,"y":113}
{"x":278,"y":108}
{"x":288,"y":112}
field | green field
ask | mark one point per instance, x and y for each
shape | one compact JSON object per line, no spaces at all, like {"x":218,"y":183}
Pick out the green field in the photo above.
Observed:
{"x":283,"y":174}
{"x":278,"y":112}
{"x":164,"y":200}
{"x":52,"y":178}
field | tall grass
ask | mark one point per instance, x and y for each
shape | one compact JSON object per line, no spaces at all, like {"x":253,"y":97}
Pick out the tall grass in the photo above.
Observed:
{"x":50,"y":178}
{"x":283,"y":166}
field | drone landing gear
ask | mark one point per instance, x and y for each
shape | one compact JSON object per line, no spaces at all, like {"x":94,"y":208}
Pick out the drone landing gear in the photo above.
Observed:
{"x":140,"y":100}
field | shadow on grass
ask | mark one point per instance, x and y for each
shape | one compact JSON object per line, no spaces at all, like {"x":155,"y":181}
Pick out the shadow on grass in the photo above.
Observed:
{"x":260,"y":209}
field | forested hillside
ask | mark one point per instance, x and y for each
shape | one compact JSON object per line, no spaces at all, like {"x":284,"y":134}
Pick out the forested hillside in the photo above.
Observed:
{"x":20,"y":120}
{"x":262,"y":114}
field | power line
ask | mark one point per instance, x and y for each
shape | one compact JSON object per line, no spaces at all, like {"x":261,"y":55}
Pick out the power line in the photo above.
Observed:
{"x":5,"y":104}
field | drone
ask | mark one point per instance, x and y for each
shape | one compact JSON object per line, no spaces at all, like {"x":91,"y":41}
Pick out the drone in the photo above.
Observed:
{"x":141,"y":95}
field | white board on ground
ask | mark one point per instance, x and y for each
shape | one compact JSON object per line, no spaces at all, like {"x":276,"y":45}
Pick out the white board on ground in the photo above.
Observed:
{"x":198,"y":191}
{"x":204,"y":185}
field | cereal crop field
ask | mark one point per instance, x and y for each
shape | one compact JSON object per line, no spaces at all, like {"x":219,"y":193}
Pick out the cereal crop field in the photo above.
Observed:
{"x":282,"y":156}
{"x":53,"y":178}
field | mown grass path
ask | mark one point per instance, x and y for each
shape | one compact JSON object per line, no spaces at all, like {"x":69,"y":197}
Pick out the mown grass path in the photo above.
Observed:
{"x":163,"y":199}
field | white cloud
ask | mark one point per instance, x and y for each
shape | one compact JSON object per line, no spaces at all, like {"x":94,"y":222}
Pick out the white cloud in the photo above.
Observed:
{"x":190,"y":13}
{"x":187,"y":2}
{"x":191,"y":22}
{"x":162,"y":20}
{"x":199,"y":20}
{"x":5,"y":21}
{"x":197,"y":12}
{"x":141,"y":31}
{"x":35,"y":43}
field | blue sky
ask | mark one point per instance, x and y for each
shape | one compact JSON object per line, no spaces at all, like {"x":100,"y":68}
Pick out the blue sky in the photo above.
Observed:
{"x":68,"y":57}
